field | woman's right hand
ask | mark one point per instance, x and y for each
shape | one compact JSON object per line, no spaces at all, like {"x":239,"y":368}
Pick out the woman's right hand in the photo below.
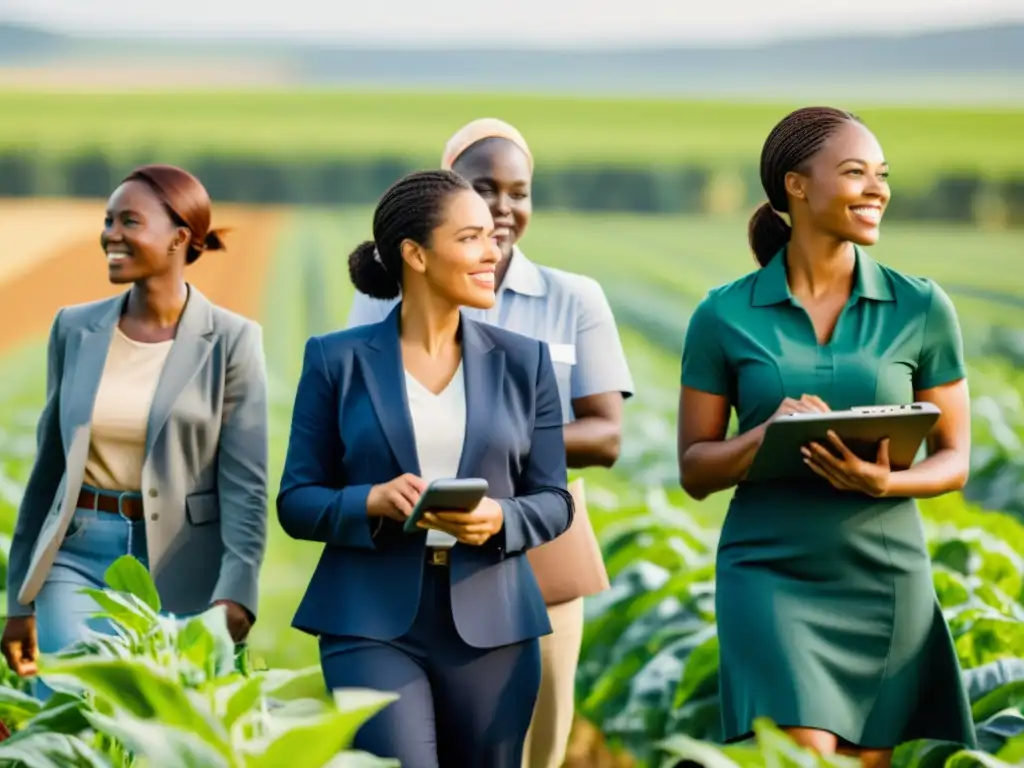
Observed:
{"x":19,"y":645}
{"x":395,"y":499}
{"x":806,"y":404}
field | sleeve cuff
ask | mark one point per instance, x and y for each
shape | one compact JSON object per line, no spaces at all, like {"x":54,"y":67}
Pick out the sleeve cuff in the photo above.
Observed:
{"x":703,"y":384}
{"x":16,"y":609}
{"x":623,"y":387}
{"x":512,"y":539}
{"x":238,"y":583}
{"x":355,"y":526}
{"x":944,"y":376}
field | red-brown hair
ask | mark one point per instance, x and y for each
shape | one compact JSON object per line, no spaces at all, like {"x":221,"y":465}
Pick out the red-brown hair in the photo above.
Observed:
{"x":187,"y":203}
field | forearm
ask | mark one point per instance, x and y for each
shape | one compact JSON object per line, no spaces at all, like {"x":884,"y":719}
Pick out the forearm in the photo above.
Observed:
{"x":31,"y":516}
{"x":535,"y":519}
{"x":942,"y":472}
{"x":591,"y":441}
{"x":35,"y":503}
{"x":712,"y":466}
{"x":327,"y":515}
{"x":239,"y":582}
{"x":244,"y":533}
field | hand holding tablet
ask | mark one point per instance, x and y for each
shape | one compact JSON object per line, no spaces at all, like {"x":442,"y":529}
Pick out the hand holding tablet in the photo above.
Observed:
{"x":844,"y":470}
{"x":455,"y":494}
{"x":853,"y":449}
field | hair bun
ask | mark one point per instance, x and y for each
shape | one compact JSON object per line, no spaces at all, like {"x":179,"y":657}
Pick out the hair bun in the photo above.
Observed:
{"x":369,"y":275}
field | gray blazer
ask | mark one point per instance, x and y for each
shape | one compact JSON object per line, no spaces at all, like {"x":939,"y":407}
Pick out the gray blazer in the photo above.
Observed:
{"x":204,"y":478}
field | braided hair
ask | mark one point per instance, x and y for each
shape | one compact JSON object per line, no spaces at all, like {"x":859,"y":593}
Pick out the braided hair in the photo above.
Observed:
{"x":411,"y":209}
{"x":791,"y":143}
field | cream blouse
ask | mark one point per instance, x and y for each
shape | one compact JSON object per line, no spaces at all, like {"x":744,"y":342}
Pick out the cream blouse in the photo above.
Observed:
{"x":121,"y":412}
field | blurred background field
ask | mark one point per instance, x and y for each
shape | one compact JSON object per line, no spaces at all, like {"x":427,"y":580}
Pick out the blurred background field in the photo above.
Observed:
{"x":648,"y":193}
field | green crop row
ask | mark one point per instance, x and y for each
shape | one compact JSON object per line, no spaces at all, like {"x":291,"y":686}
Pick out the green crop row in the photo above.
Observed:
{"x":664,"y":189}
{"x":920,"y":143}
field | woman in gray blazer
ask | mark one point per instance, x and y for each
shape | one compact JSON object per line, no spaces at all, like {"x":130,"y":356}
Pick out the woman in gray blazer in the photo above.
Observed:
{"x":153,"y":439}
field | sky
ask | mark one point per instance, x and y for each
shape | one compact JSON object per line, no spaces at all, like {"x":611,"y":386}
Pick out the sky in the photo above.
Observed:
{"x":518,"y":22}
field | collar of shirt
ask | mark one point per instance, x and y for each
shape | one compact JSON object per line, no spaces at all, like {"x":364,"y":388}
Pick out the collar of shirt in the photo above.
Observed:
{"x":523,"y":276}
{"x":772,"y":287}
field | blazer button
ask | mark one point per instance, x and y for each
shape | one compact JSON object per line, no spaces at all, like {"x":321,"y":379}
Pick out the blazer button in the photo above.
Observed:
{"x":152,"y":493}
{"x":154,"y":516}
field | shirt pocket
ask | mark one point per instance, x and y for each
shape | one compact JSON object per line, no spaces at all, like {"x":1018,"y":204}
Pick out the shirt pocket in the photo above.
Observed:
{"x":202,"y":508}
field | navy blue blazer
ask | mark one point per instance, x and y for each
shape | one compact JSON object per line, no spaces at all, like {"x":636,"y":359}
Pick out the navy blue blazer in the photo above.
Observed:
{"x":351,"y":429}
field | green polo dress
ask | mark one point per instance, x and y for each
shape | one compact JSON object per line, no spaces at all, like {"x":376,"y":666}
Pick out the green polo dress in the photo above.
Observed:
{"x":827,"y":614}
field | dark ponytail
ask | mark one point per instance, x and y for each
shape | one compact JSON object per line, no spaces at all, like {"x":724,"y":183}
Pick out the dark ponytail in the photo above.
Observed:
{"x":767,"y":233}
{"x":411,"y":209}
{"x":791,"y":143}
{"x":369,"y":275}
{"x":214,"y":241}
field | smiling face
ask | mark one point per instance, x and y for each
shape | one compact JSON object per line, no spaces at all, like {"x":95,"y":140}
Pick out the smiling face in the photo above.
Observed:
{"x":844,"y":189}
{"x":500,"y":172}
{"x":460,"y":261}
{"x":139,"y":237}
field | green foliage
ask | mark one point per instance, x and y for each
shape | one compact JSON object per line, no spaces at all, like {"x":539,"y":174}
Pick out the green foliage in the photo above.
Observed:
{"x":650,"y":652}
{"x":560,"y":130}
{"x":679,"y":157}
{"x":170,"y":693}
{"x":997,"y":462}
{"x":771,"y":747}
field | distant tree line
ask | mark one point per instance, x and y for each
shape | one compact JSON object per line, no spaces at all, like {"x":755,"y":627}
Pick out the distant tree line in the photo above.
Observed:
{"x":952,"y":197}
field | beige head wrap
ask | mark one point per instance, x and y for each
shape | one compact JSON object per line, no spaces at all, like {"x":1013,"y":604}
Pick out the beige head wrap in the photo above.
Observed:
{"x":484,"y":128}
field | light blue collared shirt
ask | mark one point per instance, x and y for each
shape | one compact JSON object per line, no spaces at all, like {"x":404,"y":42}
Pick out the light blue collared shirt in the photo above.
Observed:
{"x":568,"y":311}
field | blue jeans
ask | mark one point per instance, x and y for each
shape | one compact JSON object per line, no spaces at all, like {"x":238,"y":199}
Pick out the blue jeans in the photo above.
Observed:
{"x":94,"y":540}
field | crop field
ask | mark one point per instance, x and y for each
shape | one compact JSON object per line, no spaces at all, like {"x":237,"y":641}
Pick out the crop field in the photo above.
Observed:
{"x":562,"y":131}
{"x":650,"y":650}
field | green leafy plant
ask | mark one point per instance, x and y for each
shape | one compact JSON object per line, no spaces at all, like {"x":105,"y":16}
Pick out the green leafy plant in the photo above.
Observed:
{"x":650,"y":651}
{"x":169,"y":692}
{"x":772,"y":747}
{"x":997,"y":460}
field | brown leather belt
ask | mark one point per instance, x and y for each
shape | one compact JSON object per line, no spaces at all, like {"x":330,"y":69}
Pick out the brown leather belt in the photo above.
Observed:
{"x":127,"y":504}
{"x":438,"y":555}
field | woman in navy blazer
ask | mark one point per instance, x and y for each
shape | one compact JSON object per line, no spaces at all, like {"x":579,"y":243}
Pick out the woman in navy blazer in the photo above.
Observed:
{"x":448,"y":617}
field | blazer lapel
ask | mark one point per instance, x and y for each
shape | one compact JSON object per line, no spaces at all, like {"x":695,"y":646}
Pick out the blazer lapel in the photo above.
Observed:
{"x":384,"y":374}
{"x":483,"y":366}
{"x":85,"y":359}
{"x":192,"y":344}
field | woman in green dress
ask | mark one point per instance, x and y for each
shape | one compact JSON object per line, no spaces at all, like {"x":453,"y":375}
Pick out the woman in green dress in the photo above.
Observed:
{"x":827,"y":615}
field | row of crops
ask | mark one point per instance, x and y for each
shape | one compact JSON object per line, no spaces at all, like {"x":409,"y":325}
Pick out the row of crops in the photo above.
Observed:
{"x":593,"y":154}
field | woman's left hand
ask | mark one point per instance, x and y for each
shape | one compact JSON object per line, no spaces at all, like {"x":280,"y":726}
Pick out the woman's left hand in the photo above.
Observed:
{"x":473,"y":528}
{"x":239,"y":620}
{"x":848,"y":472}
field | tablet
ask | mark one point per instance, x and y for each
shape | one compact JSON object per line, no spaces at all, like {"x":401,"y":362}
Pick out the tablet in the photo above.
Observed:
{"x":861,"y":429}
{"x":454,"y":494}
